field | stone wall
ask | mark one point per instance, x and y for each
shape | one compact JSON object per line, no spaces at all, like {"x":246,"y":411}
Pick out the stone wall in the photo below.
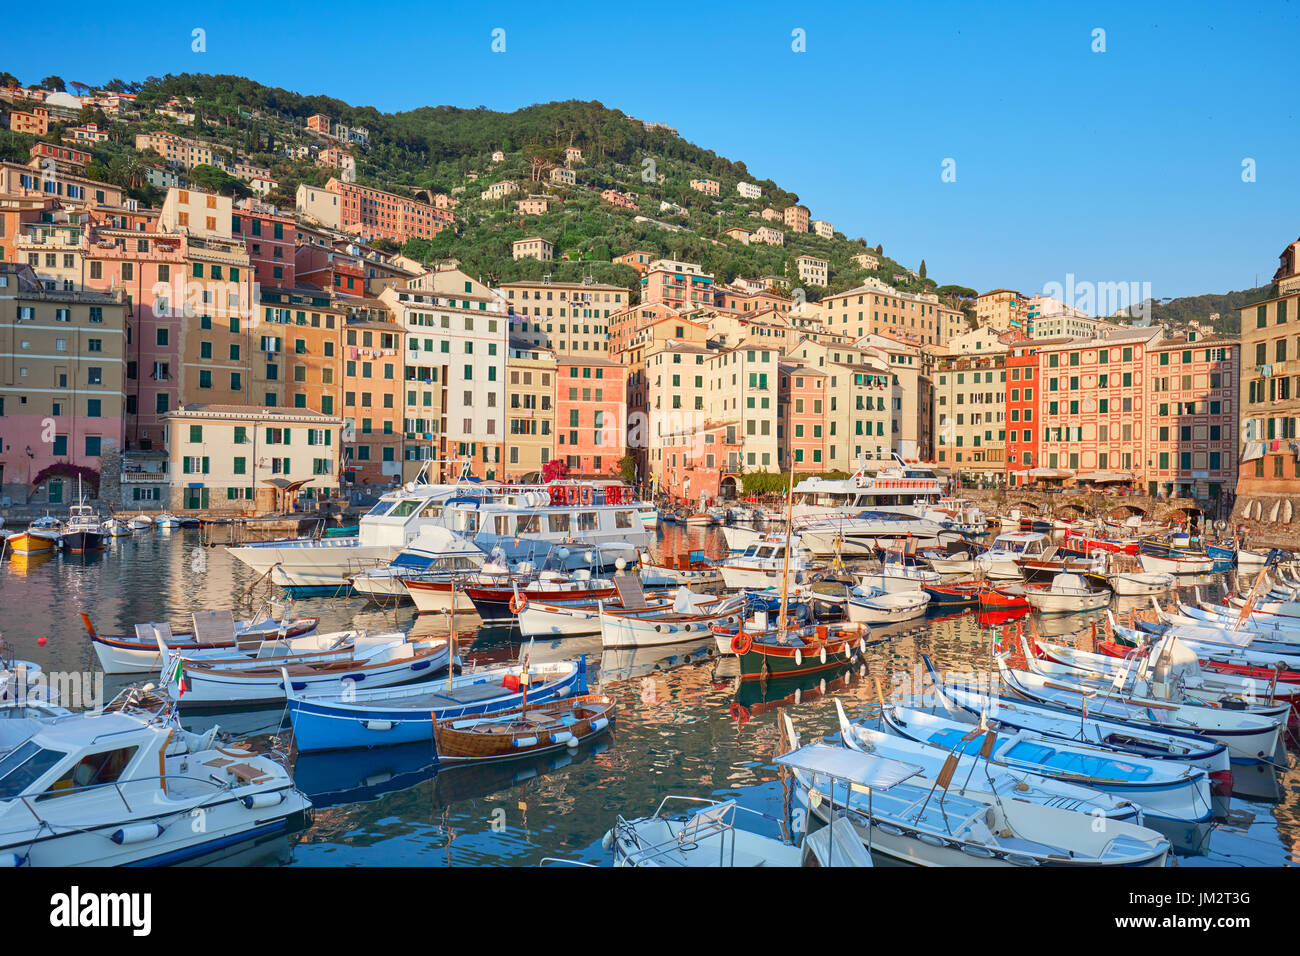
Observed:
{"x":1269,"y":521}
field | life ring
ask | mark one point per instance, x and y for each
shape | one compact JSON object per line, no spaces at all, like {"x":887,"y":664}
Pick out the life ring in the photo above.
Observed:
{"x":741,"y":643}
{"x":518,"y":603}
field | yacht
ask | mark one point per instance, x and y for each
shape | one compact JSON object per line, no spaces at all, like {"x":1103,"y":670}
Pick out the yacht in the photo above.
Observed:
{"x":1003,"y":559}
{"x":567,"y":525}
{"x":865,"y":533}
{"x":903,"y":488}
{"x":764,"y":565}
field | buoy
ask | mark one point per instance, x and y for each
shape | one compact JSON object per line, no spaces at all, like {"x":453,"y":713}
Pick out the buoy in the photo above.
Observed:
{"x":40,"y":641}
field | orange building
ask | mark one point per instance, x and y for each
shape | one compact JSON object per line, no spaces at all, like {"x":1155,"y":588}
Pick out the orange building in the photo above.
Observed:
{"x":590,"y":415}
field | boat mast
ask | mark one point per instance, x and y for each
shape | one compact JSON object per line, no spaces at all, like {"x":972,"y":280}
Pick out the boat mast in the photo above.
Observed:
{"x":785,"y":576}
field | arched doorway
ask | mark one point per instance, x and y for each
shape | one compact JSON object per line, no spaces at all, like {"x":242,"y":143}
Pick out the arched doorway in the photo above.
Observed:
{"x":727,"y":487}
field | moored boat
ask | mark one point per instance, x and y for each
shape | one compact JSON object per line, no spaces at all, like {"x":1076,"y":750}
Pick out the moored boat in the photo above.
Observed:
{"x":518,"y":732}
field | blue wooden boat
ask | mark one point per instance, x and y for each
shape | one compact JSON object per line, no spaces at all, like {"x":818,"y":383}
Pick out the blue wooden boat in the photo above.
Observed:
{"x":405,"y":714}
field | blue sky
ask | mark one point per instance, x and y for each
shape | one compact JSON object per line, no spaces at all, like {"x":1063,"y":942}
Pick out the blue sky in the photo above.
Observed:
{"x":1115,"y":166}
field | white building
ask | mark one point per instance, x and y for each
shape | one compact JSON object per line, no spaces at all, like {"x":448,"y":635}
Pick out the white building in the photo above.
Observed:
{"x":748,"y":190}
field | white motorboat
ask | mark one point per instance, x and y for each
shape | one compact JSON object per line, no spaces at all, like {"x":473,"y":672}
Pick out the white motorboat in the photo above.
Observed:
{"x":379,"y":660}
{"x":1247,"y":736}
{"x":167,"y":521}
{"x":959,"y":562}
{"x":116,"y":528}
{"x":867,"y":533}
{"x":1166,"y":791}
{"x":1140,"y":582}
{"x":574,"y":617}
{"x":140,"y":522}
{"x":1175,"y":564}
{"x":764,"y":565}
{"x":569,"y":525}
{"x":126,"y":785}
{"x":738,"y":539}
{"x":709,"y":837}
{"x":876,"y":606}
{"x":692,"y":569}
{"x":1067,"y":594}
{"x":900,"y":572}
{"x":898,"y":812}
{"x":899,"y":487}
{"x":1000,"y":560}
{"x":688,"y":617}
{"x":436,"y":554}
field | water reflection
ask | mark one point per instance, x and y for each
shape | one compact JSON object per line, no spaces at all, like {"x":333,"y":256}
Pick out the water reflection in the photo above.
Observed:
{"x":683,"y":725}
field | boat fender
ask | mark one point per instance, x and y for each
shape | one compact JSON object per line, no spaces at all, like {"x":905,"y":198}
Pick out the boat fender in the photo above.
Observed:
{"x":798,"y":657}
{"x":607,"y":841}
{"x":524,"y":742}
{"x":686,"y":627}
{"x":862,"y":644}
{"x":823,"y":654}
{"x":136,"y":833}
{"x":600,"y":723}
{"x":377,"y":724}
{"x":564,"y":736}
{"x":270,"y":798}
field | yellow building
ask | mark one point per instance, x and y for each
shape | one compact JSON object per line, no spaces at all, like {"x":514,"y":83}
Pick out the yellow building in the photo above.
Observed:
{"x":530,"y":410}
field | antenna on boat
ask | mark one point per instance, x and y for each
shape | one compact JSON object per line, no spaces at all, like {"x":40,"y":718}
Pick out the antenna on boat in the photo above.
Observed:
{"x":785,"y":574}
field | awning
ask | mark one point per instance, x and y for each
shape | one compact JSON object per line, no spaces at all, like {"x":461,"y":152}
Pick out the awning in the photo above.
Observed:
{"x":841,"y":763}
{"x":1106,"y":477}
{"x":284,"y":484}
{"x":1049,"y":473}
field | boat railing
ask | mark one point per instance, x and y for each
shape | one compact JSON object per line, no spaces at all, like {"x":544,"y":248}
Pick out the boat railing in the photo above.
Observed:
{"x":718,"y":820}
{"x":147,"y":797}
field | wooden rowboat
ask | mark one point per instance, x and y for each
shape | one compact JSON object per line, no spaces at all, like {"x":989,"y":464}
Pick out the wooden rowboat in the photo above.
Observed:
{"x":554,"y":725}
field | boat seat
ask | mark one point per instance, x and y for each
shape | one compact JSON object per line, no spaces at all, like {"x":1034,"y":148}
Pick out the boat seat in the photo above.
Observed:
{"x":245,"y":773}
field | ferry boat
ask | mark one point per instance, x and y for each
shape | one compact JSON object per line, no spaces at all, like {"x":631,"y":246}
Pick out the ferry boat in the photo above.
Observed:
{"x":905,"y":488}
{"x":568,"y":525}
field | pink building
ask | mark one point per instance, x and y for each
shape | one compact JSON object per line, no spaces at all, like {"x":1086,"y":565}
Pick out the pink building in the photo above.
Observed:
{"x":590,"y":415}
{"x":1192,"y":424}
{"x":802,"y":427}
{"x":270,"y":239}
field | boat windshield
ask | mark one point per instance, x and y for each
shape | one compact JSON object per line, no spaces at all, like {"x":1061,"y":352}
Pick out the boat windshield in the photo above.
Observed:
{"x":23,"y":766}
{"x":382,"y":507}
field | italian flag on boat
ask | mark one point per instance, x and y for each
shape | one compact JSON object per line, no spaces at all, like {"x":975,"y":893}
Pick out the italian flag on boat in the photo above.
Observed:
{"x":177,"y":676}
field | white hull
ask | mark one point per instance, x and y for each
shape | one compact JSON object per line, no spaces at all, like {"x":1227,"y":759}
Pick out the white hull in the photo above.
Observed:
{"x":325,"y":563}
{"x":899,"y":583}
{"x":887,"y":609}
{"x":653,"y":576}
{"x":1176,"y":565}
{"x":558,"y":620}
{"x":438,"y":601}
{"x":756,"y":579}
{"x":1046,"y":602}
{"x":663,"y":627}
{"x":1144,"y":583}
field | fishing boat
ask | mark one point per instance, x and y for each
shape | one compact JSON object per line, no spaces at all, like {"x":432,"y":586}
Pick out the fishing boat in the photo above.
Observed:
{"x":709,"y":837}
{"x":1168,"y":744}
{"x":684,"y":569}
{"x":876,"y":606}
{"x":957,"y":594}
{"x":126,"y":785}
{"x":924,"y":822}
{"x":1055,"y":561}
{"x":1248,"y":737}
{"x":383,"y":716}
{"x":1140,"y":582}
{"x":1169,"y":659}
{"x":700,"y":519}
{"x":32,"y":541}
{"x":503,"y":601}
{"x":992,"y":598}
{"x":572,"y":617}
{"x":522,"y":731}
{"x":166,"y":521}
{"x":116,"y":528}
{"x":1174,"y":793}
{"x":141,"y":522}
{"x":1067,"y":594}
{"x":784,"y":651}
{"x":972,"y":767}
{"x":212,"y":631}
{"x":376,"y":660}
{"x":1094,"y":543}
{"x":1002,"y":560}
{"x":82,"y":531}
{"x":766,"y":563}
{"x":689,"y":616}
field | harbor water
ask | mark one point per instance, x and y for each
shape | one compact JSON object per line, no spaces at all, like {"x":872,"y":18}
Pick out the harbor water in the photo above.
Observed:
{"x":685,"y":725}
